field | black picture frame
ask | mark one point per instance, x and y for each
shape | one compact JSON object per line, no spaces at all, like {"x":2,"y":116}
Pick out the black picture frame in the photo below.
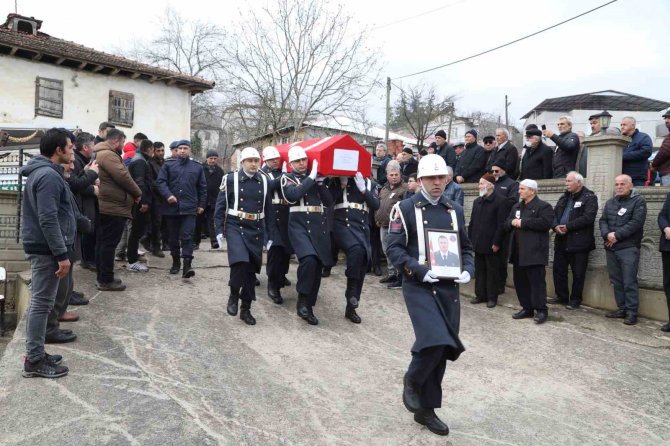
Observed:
{"x":451,"y":267}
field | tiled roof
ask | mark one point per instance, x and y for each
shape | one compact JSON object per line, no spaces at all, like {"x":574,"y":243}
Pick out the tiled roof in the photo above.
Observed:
{"x":599,"y":100}
{"x":47,"y":49}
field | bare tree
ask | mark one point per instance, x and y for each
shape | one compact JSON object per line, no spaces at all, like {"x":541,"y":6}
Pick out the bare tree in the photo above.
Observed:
{"x":420,"y":110}
{"x":299,"y":59}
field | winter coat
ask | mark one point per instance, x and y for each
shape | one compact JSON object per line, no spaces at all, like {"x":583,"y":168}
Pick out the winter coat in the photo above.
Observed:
{"x":49,"y":222}
{"x":388,"y":197}
{"x":81,"y":183}
{"x":486,"y":223}
{"x":471,"y":164}
{"x":662,"y":159}
{"x":408,"y":168}
{"x":625,"y":217}
{"x":184,"y":179}
{"x":117,"y":191}
{"x":636,"y":156}
{"x":448,"y":153}
{"x":381,"y":170}
{"x":664,"y":222}
{"x":140,"y":170}
{"x":536,"y":163}
{"x":213,"y":178}
{"x":506,"y":157}
{"x":454,"y":192}
{"x":565,"y":155}
{"x":581,"y":221}
{"x":530,"y":243}
{"x":508,"y":188}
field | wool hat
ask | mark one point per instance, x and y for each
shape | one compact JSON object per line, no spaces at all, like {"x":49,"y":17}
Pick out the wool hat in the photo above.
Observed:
{"x":529,"y":183}
{"x":441,"y":133}
{"x":408,"y":150}
{"x":533,"y":132}
{"x":490,"y":178}
{"x":459,"y":144}
{"x":473,"y":132}
{"x":433,"y":145}
{"x":211,"y":153}
{"x":532,"y":127}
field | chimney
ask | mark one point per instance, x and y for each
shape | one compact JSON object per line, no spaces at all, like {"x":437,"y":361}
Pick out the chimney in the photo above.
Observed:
{"x":22,"y":24}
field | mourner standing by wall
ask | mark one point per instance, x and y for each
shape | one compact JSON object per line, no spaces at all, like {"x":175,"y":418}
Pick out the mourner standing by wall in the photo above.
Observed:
{"x":664,"y":247}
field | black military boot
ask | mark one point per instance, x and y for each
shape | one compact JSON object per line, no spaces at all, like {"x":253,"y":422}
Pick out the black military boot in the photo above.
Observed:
{"x":232,"y":301}
{"x":410,"y":395}
{"x":301,"y":307}
{"x":176,"y":265}
{"x":275,"y":294}
{"x":188,"y":271}
{"x":311,"y":319}
{"x":428,"y":418}
{"x":350,"y":313}
{"x":351,"y":292}
{"x":245,"y":314}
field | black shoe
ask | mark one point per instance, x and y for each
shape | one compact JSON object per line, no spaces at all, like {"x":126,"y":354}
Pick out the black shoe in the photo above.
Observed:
{"x":89,"y":266}
{"x":145,"y":244}
{"x":246,"y":316}
{"x":275,"y":295}
{"x":395,"y":285}
{"x":176,"y":265}
{"x":477,"y":300}
{"x":257,"y":283}
{"x":666,"y":327}
{"x":165,"y":247}
{"x":232,"y":302}
{"x":428,"y":418}
{"x":325,"y":272}
{"x":43,"y":369}
{"x":491,"y":303}
{"x":157,"y":253}
{"x":196,"y":247}
{"x":77,"y":298}
{"x":60,"y":337}
{"x":541,"y":317}
{"x":311,"y":318}
{"x":523,"y":314}
{"x":389,"y":279}
{"x":188,"y":271}
{"x":214,"y":245}
{"x":631,"y":319}
{"x":573,"y":306}
{"x":377,"y":270}
{"x":287,"y":282}
{"x":350,"y":313}
{"x":410,"y":397}
{"x":616,"y":314}
{"x":54,"y":359}
{"x":111,"y":286}
{"x":557,"y":300}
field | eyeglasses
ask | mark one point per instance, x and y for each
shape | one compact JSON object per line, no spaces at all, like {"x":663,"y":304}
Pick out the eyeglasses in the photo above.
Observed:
{"x":495,"y":170}
{"x":485,"y":142}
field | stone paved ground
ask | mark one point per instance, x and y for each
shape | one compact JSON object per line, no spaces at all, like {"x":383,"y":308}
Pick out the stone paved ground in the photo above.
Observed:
{"x":163,"y":364}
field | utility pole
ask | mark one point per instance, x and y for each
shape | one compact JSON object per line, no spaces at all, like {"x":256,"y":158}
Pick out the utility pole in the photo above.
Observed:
{"x":507,"y":104}
{"x":451,"y":118}
{"x":388,"y":110}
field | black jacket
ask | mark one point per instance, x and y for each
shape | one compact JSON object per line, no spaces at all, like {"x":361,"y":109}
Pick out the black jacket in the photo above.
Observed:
{"x":143,"y":176}
{"x":664,"y":222}
{"x":408,"y":168}
{"x":625,"y":217}
{"x":214,"y":178}
{"x":536,"y":163}
{"x":508,"y":188}
{"x":448,"y":153}
{"x":472,"y":163}
{"x":581,"y":221}
{"x":530,"y":243}
{"x":565,"y":156}
{"x":486,"y":223}
{"x":81,"y":183}
{"x":507,"y":158}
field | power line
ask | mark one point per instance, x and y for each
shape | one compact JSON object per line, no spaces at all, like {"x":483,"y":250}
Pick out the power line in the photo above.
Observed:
{"x":416,"y":16}
{"x":508,"y":43}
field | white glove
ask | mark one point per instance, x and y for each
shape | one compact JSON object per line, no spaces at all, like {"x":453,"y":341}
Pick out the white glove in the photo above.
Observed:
{"x":430,"y":277}
{"x":344,"y":181}
{"x":315,"y":167}
{"x":463,"y":278}
{"x":320,"y":179}
{"x":219,"y":239}
{"x":283,"y":167}
{"x":360,"y":181}
{"x":269,"y":245}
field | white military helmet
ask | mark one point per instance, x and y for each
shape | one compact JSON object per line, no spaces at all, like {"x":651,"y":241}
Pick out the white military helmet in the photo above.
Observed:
{"x":431,"y":165}
{"x":270,"y":153}
{"x":296,"y":153}
{"x":249,"y":152}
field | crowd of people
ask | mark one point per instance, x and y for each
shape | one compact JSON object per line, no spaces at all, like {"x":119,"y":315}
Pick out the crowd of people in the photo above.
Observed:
{"x":98,"y":199}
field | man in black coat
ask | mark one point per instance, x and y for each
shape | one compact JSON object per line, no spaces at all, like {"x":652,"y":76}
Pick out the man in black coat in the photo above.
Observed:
{"x":486,"y":232}
{"x":530,"y":221}
{"x":83,"y":183}
{"x":537,"y":158}
{"x":574,"y":218}
{"x":142,"y":175}
{"x":408,"y":165}
{"x":444,"y":149}
{"x":152,"y":239}
{"x":508,"y":188}
{"x":205,"y":221}
{"x":664,"y":247}
{"x":506,"y":154}
{"x":567,"y":147}
{"x":472,"y":162}
{"x":489,"y":151}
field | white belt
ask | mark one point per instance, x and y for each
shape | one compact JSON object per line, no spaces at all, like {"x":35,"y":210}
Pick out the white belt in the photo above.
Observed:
{"x":246,"y":215}
{"x":279,"y":201}
{"x":307,"y":209}
{"x":358,"y":206}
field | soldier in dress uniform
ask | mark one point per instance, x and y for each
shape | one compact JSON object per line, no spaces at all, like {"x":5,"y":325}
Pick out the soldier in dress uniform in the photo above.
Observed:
{"x":279,"y":249}
{"x":308,"y":235}
{"x":354,"y":198}
{"x":433,"y":304}
{"x":240,"y":215}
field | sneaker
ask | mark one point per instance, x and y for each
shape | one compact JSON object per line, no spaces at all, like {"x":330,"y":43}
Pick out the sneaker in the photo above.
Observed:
{"x":77,"y":298}
{"x":43,"y":369}
{"x":54,"y":359}
{"x":137,"y":267}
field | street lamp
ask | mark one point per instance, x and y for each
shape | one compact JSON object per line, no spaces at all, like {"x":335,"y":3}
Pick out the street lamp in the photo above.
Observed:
{"x":604,"y":118}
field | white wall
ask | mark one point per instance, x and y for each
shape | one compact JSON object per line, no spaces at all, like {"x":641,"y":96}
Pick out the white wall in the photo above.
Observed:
{"x":163,"y":113}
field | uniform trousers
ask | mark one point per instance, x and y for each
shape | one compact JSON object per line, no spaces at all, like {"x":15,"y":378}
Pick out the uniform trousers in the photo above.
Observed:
{"x":180,"y":232}
{"x":531,"y":287}
{"x":357,"y":261}
{"x":309,"y":278}
{"x":426,"y":371}
{"x":577,"y":261}
{"x":277,"y":266}
{"x":487,"y":275}
{"x":243,"y":278}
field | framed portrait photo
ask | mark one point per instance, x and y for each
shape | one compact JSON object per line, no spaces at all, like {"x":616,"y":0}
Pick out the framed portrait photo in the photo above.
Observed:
{"x":443,"y":253}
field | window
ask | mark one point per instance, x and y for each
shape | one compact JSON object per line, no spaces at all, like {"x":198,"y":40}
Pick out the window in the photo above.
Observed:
{"x":121,"y":108}
{"x":48,"y":97}
{"x":284,"y":140}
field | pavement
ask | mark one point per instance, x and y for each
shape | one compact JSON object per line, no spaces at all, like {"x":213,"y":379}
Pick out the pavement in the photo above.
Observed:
{"x":164,"y":364}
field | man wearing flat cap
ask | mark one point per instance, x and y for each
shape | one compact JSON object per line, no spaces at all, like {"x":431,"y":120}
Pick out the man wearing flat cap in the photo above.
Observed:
{"x":529,"y":222}
{"x":473,"y":160}
{"x":489,"y":151}
{"x":537,"y":157}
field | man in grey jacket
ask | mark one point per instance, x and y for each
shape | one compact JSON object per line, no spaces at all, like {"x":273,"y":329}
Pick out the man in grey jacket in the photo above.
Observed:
{"x":48,"y":234}
{"x":622,"y":228}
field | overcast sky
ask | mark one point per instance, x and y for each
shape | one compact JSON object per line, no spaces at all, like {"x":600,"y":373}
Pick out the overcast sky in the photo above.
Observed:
{"x":623,"y":46}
